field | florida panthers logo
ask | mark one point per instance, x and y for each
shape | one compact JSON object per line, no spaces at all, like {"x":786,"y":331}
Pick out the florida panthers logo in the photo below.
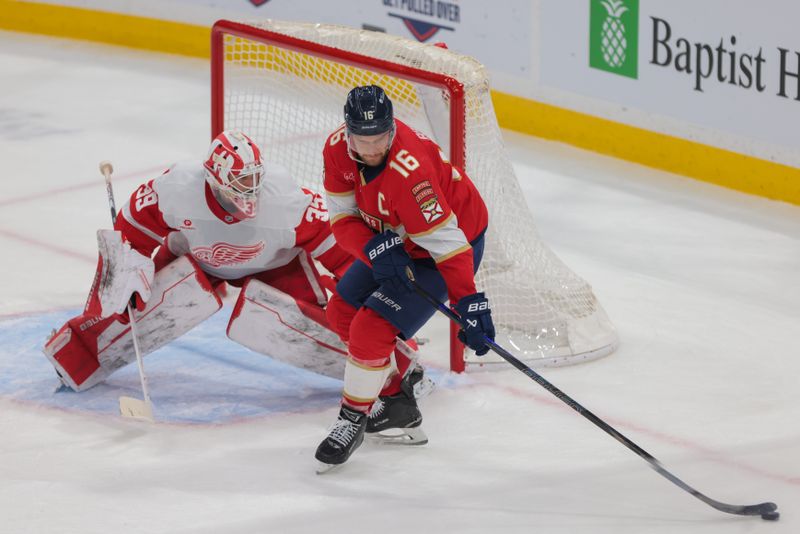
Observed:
{"x":220,"y":254}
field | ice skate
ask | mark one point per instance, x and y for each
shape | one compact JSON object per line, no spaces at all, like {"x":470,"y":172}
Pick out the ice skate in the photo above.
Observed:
{"x":344,"y":438}
{"x":422,"y":385}
{"x":396,"y":419}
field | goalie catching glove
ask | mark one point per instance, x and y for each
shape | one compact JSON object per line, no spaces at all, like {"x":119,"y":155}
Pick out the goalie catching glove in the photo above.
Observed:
{"x":125,"y":272}
{"x":476,"y":322}
{"x":390,"y":261}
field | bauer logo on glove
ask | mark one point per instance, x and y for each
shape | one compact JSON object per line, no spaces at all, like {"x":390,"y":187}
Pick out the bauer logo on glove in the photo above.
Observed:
{"x":384,"y":246}
{"x":478,"y":306}
{"x":477,"y":323}
{"x":390,"y":261}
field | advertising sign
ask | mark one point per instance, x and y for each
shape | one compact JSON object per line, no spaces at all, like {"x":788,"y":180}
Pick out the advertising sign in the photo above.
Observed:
{"x":498,"y":34}
{"x":723,"y":66}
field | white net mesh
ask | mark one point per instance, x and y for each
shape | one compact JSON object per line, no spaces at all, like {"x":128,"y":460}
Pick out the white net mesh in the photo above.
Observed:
{"x":289,"y":101}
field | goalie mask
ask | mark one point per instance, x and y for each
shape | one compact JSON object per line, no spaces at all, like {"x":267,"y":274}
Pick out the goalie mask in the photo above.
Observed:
{"x":234,"y":172}
{"x":369,"y":121}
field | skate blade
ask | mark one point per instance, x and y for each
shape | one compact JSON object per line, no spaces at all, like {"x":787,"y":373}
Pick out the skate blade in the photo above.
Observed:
{"x":323,"y":468}
{"x":402,"y":436}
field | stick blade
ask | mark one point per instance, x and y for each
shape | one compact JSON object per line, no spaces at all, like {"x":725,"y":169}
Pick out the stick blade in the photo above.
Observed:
{"x":136,"y":409}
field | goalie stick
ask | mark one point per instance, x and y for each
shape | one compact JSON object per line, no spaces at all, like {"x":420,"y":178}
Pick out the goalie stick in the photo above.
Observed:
{"x":767,"y":510}
{"x":129,"y":406}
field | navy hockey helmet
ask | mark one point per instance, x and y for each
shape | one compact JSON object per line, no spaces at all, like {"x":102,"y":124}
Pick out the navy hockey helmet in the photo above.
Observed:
{"x":368,"y":111}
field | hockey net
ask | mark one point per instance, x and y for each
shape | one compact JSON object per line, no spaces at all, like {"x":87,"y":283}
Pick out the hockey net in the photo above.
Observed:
{"x":285,"y":83}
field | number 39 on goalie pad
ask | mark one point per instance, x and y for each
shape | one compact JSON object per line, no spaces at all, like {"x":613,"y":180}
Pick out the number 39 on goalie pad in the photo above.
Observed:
{"x":273,"y":323}
{"x":86,"y":350}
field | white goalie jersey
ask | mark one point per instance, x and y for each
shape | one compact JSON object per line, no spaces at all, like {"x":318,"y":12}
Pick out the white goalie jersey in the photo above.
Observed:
{"x":178,"y":209}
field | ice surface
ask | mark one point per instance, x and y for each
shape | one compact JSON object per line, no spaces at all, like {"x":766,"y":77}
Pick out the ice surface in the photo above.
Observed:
{"x":702,"y":283}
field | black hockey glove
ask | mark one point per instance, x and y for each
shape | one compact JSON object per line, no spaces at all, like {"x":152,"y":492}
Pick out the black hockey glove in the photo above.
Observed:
{"x":476,"y":322}
{"x":390,"y":261}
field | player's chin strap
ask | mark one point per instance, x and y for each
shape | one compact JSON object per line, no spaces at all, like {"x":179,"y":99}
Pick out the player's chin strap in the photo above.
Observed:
{"x":353,"y":154}
{"x":767,"y":510}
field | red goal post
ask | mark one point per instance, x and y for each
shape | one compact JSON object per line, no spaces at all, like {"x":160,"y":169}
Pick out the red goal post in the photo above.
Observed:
{"x":285,"y":83}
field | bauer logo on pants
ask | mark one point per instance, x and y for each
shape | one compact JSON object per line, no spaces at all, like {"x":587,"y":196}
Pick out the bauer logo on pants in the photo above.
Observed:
{"x":392,"y":305}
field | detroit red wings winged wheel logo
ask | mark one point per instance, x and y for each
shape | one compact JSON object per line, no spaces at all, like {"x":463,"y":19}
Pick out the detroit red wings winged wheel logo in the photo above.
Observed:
{"x":220,"y":254}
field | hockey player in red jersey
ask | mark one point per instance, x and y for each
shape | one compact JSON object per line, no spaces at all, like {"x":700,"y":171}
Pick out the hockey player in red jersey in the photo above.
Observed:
{"x":232,"y":218}
{"x":396,"y":204}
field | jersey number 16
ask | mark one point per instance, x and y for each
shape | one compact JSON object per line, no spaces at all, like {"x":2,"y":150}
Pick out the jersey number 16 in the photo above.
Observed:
{"x":404,"y":163}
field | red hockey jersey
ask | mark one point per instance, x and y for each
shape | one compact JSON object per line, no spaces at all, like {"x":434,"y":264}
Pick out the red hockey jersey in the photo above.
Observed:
{"x":417,"y":193}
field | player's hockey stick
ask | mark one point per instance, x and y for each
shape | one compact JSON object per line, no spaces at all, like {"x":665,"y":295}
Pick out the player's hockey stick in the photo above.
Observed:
{"x":129,"y":406}
{"x":767,"y":510}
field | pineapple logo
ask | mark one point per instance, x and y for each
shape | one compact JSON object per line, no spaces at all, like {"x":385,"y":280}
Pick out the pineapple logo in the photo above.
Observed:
{"x":614,"y":36}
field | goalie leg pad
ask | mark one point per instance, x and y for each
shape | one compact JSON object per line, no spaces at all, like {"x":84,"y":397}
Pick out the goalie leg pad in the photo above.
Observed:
{"x":273,"y":323}
{"x":75,"y":363}
{"x":182,"y":298}
{"x":87,"y":350}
